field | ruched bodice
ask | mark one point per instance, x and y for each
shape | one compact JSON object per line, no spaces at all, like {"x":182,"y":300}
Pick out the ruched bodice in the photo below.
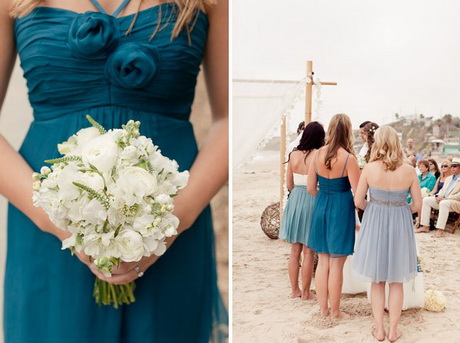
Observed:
{"x":388,"y":197}
{"x":76,"y":61}
{"x":335,"y":185}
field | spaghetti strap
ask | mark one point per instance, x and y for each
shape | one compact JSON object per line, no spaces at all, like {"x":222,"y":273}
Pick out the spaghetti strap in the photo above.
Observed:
{"x":345,"y":165}
{"x":117,"y":11}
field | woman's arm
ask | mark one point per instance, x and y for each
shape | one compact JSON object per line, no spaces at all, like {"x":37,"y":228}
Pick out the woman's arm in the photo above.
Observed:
{"x":210,"y":169}
{"x":289,"y":178}
{"x":415,"y":193}
{"x":360,"y":194}
{"x":435,"y":187}
{"x":312,"y":177}
{"x":16,"y":174}
{"x":353,"y":172}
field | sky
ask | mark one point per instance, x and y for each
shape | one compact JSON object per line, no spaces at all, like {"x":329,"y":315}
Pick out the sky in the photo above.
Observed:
{"x":386,"y":56}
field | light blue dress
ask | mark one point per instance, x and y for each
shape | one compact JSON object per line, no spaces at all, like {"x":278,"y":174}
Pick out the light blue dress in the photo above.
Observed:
{"x":78,"y":64}
{"x":296,"y":222}
{"x":333,"y":224}
{"x":386,"y":250}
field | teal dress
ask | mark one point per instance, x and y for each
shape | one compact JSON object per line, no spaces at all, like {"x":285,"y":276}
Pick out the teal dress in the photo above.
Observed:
{"x":77,"y":64}
{"x":333,"y":225}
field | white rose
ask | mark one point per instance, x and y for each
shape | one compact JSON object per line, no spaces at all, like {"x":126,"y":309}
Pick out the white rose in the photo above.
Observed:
{"x":101,"y":152}
{"x":94,"y":212}
{"x":85,"y":135}
{"x":135,"y":183}
{"x":130,"y":245}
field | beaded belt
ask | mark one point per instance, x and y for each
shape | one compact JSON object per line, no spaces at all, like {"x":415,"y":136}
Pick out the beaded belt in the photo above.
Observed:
{"x":388,"y":203}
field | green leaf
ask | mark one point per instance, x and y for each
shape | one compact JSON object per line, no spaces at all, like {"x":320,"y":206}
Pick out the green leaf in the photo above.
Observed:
{"x":64,"y":159}
{"x":96,"y":124}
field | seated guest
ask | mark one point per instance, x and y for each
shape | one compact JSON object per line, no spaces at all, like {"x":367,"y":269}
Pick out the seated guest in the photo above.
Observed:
{"x":427,"y":182}
{"x":445,"y":172}
{"x":447,"y":200}
{"x":434,"y":169}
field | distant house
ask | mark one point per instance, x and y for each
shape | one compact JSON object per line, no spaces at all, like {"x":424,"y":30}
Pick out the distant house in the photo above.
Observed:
{"x":428,"y":121}
{"x":453,"y":137}
{"x":451,"y":149}
{"x":436,"y":130}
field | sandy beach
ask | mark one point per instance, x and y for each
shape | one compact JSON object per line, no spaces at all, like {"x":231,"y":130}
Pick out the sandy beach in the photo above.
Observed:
{"x":15,"y":117}
{"x":262,"y":308}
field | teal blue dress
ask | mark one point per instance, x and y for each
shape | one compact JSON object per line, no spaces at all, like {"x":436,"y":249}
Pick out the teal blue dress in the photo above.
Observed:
{"x":77,"y":64}
{"x":333,"y":225}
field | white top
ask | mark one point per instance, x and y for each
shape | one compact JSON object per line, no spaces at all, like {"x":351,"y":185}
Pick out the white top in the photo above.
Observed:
{"x":364,"y":150}
{"x":300,"y":179}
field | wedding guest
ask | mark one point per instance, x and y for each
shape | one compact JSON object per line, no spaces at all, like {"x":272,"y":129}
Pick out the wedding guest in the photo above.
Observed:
{"x":363,"y":136}
{"x":445,"y":172}
{"x":413,"y":161}
{"x":434,"y":169}
{"x":410,"y":150}
{"x":447,"y":200}
{"x":386,"y":250}
{"x":295,"y":225}
{"x":368,"y":133}
{"x":332,"y":231}
{"x":427,"y":182}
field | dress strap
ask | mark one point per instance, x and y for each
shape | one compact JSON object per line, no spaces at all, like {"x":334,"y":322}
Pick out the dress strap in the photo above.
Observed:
{"x":345,"y":165}
{"x":117,"y":11}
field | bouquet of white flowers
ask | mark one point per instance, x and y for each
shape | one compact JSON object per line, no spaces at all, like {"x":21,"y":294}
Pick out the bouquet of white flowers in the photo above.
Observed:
{"x":112,"y":190}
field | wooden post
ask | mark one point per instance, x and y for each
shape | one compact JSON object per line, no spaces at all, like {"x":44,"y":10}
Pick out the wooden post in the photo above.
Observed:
{"x":282,"y":165}
{"x":309,"y":93}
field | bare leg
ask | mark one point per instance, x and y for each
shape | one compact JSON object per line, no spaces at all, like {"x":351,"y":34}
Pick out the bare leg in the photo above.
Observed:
{"x":395,"y":302}
{"x":335,"y":286}
{"x":321,"y":278}
{"x":307,"y":273}
{"x":378,"y":305}
{"x":293,"y":268}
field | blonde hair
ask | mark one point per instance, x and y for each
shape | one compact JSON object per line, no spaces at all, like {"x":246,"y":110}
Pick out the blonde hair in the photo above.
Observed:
{"x":448,"y":162}
{"x":187,"y":13}
{"x":387,"y":148}
{"x":339,"y":135}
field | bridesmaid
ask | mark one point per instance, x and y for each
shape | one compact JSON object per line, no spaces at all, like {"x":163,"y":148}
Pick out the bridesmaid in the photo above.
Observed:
{"x":332,"y":233}
{"x":295,"y":226}
{"x":386,"y":250}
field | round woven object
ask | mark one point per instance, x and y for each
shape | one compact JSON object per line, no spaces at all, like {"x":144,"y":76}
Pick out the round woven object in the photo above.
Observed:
{"x":270,"y":220}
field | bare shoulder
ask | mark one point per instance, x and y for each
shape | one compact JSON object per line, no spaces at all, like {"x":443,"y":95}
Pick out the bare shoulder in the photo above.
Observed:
{"x":218,"y":8}
{"x":407,"y":169}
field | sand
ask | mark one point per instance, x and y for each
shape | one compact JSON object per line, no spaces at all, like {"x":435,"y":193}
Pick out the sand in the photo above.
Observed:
{"x":262,"y":308}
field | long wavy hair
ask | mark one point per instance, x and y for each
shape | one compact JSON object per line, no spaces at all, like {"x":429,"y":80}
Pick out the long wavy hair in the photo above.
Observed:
{"x":370,"y":129}
{"x":187,"y":13}
{"x":339,"y":135}
{"x":387,"y":148}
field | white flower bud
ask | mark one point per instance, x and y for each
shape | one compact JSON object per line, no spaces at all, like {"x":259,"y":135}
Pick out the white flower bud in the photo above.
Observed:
{"x":37,"y":185}
{"x":36,"y":176}
{"x":45,"y":171}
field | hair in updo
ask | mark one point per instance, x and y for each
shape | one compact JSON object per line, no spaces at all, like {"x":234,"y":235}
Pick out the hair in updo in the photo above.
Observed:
{"x":369,"y":130}
{"x":387,"y":148}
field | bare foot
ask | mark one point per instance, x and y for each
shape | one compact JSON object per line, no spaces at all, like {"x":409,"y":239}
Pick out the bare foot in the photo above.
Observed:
{"x":340,"y":315}
{"x":308,"y":296}
{"x":439,"y":233}
{"x":379,"y":334}
{"x":394,"y":336}
{"x":325,"y":314}
{"x":296,"y":294}
{"x":422,"y":229}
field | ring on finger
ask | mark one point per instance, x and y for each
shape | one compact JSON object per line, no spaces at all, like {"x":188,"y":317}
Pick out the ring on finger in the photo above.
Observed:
{"x":139,"y":272}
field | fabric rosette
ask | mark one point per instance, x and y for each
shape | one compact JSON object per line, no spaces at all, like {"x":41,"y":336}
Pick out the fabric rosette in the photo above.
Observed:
{"x":93,"y":35}
{"x":133,"y":65}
